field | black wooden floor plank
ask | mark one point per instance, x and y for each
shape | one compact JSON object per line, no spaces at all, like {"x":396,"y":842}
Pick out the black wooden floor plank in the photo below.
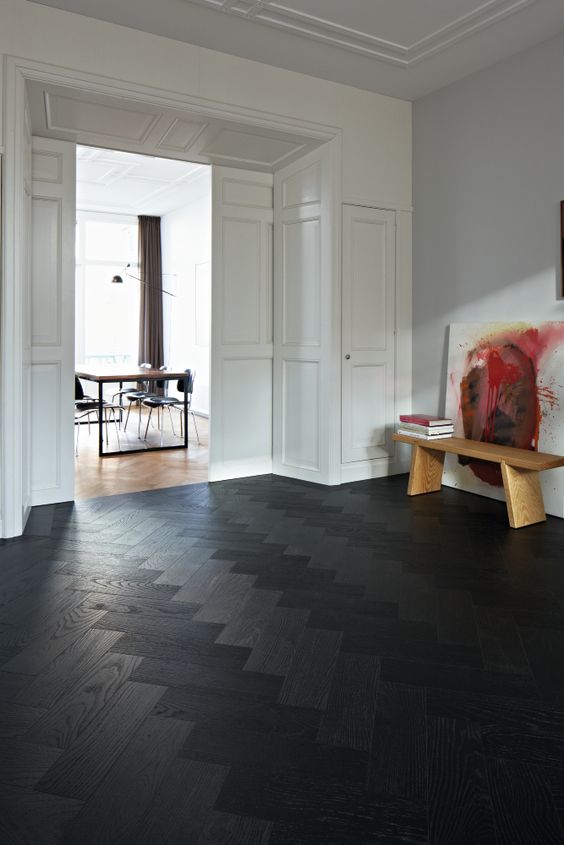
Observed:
{"x":349,"y":718}
{"x":82,"y":766}
{"x":77,"y":708}
{"x":523,"y":804}
{"x":501,"y":642}
{"x":274,"y":650}
{"x":309,"y":677}
{"x":460,"y":807}
{"x":115,"y":811}
{"x":179,"y":811}
{"x":227,"y":829}
{"x":399,"y":742}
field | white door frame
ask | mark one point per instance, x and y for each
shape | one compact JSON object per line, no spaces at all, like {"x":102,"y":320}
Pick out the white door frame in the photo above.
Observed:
{"x":18,"y":71}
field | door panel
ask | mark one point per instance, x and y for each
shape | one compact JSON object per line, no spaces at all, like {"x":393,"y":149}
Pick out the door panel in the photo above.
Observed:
{"x":241,"y":365}
{"x":368,"y":333}
{"x":306,"y":325}
{"x":52,"y":321}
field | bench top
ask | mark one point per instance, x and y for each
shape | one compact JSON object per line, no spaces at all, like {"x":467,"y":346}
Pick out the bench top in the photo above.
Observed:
{"x":522,"y":458}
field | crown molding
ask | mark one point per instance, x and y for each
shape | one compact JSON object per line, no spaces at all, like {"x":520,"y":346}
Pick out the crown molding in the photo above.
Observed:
{"x":278,"y":15}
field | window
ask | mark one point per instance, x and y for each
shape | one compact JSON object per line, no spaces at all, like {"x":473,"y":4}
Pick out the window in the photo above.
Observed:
{"x":107,"y":315}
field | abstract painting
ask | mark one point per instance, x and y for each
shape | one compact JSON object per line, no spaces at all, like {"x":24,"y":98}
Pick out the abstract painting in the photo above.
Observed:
{"x":505,"y":385}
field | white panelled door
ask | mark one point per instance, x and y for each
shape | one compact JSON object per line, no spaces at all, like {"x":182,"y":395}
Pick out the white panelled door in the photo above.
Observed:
{"x":306,"y":402}
{"x":368,"y":344}
{"x":52,"y":321}
{"x":241,"y":349}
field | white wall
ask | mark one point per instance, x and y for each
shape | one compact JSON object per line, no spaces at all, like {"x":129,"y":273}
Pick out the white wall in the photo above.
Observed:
{"x":488,"y":180}
{"x":376,"y":130}
{"x":186,"y":250}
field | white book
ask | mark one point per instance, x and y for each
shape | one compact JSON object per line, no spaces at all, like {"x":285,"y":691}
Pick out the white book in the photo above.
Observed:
{"x":423,"y":429}
{"x":422,"y":436}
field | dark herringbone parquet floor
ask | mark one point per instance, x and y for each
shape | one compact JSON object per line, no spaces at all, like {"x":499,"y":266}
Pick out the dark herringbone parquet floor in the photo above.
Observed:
{"x":265,"y":662}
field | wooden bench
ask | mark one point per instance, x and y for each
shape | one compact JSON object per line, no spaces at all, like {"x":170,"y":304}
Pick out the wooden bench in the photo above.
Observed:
{"x":520,"y":470}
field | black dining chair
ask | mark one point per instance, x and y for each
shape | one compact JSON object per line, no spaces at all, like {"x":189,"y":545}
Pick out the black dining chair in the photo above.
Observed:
{"x":170,"y":402}
{"x":85,"y":405}
{"x":136,"y":397}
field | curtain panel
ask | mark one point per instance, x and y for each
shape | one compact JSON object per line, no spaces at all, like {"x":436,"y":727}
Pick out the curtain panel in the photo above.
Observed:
{"x":151,"y":296}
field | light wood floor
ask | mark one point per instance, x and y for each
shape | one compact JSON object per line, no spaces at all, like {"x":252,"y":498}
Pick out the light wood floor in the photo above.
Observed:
{"x":96,"y":476}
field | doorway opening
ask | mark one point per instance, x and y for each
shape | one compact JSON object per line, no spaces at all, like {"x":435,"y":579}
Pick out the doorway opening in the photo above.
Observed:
{"x":113,"y":190}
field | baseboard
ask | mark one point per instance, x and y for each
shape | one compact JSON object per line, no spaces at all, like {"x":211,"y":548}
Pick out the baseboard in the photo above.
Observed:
{"x":364,"y":470}
{"x":240,"y":469}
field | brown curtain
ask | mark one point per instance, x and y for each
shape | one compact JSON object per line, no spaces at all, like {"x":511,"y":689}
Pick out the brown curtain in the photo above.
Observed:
{"x":151,"y":299}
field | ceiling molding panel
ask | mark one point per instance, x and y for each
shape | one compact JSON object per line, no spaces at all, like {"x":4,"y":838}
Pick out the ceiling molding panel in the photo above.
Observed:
{"x":236,"y":146}
{"x":70,"y":114}
{"x":286,"y":16}
{"x":181,"y":135}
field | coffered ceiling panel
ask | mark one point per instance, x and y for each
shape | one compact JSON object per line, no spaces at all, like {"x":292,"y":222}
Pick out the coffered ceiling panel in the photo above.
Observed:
{"x":80,"y":115}
{"x":252,"y":149}
{"x":102,"y":121}
{"x":405,"y":48}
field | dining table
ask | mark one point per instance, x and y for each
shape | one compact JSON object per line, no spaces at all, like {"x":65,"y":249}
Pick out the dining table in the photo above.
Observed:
{"x":103,"y":374}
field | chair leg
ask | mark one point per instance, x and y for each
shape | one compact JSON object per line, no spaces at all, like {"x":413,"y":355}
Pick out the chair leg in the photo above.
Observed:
{"x":148,"y":421}
{"x":116,"y":427}
{"x":127,"y":417}
{"x":77,"y":434}
{"x":139,"y":423}
{"x":195,"y":426}
{"x":171,"y":421}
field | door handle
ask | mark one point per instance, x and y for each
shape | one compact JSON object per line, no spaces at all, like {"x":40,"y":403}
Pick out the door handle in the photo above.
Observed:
{"x":347,"y":356}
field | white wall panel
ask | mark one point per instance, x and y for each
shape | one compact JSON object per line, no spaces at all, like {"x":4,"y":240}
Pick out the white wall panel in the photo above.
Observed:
{"x":241,"y":281}
{"x":368,"y":395}
{"x":48,"y":167}
{"x":246,"y":194}
{"x":368,"y":285}
{"x":303,"y":187}
{"x":301,"y":282}
{"x":300,"y":412}
{"x":45,"y":424}
{"x":247,"y":390}
{"x":46,"y":272}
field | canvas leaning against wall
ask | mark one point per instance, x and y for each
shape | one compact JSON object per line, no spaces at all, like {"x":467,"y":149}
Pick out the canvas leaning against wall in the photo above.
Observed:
{"x":505,"y":384}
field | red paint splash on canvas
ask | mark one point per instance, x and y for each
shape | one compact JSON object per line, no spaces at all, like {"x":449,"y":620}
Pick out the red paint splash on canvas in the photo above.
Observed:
{"x":501,"y":398}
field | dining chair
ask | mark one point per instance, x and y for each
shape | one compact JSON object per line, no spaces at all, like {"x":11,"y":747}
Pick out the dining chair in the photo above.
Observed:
{"x":85,"y":405}
{"x":170,"y":402}
{"x":137,"y":397}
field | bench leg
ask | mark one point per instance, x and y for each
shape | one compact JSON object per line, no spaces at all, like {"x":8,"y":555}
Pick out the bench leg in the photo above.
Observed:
{"x":426,"y":472}
{"x":523,"y":495}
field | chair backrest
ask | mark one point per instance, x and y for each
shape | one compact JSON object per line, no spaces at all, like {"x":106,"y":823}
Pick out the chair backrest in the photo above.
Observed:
{"x":78,"y":390}
{"x":189,"y":379}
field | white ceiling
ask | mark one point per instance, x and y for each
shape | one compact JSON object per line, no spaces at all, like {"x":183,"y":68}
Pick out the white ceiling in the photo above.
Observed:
{"x":126,"y":183}
{"x":404,"y":48}
{"x":102,"y":121}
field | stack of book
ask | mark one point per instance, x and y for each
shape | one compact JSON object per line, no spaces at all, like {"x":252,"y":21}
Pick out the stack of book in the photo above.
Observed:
{"x":425,"y":426}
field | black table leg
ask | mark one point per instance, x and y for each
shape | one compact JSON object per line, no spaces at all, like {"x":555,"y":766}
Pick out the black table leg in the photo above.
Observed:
{"x":185,"y":413}
{"x":100,"y":418}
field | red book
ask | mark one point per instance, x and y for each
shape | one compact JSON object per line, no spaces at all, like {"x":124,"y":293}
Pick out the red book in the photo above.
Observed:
{"x":424,"y":419}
